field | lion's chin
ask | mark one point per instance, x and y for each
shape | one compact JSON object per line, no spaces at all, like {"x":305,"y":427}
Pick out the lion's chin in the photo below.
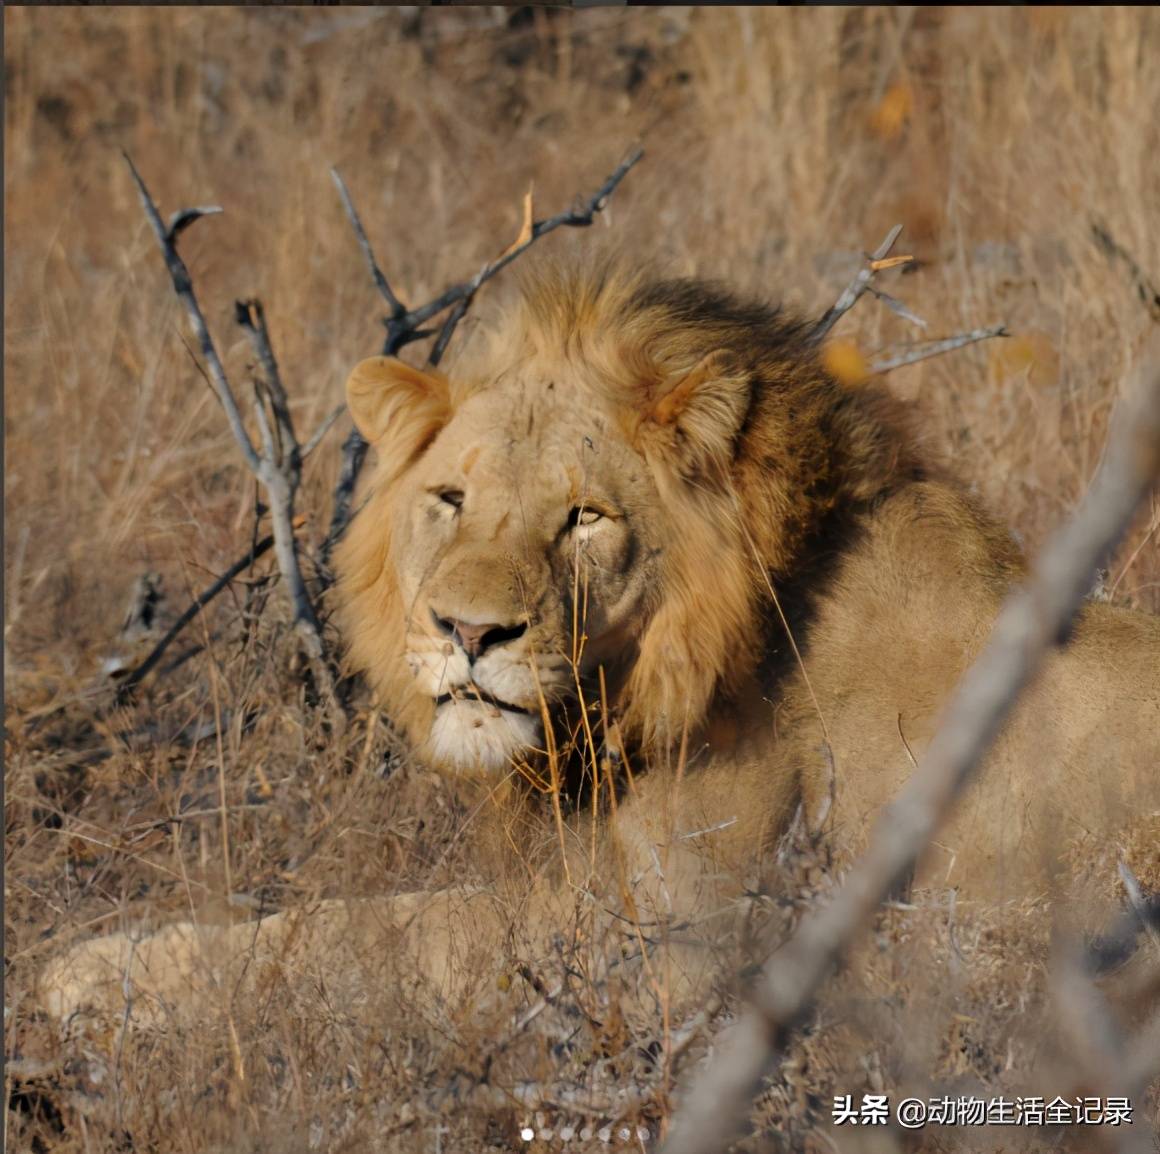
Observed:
{"x":474,"y":737}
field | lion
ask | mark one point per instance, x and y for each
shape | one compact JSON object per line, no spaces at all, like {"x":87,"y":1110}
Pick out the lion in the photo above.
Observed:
{"x":644,"y":577}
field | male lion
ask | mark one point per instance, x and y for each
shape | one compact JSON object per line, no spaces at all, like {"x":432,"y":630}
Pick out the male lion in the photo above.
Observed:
{"x":647,"y":582}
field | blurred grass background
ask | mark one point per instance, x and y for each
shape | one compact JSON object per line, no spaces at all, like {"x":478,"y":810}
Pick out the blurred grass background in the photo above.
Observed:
{"x":780,"y":143}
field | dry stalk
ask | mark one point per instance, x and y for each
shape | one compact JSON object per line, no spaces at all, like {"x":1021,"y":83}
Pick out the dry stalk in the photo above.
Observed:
{"x":1035,"y":619}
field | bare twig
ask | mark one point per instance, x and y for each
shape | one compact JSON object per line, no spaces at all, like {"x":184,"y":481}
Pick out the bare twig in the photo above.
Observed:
{"x":143,"y":670}
{"x":1034,"y":619}
{"x":580,"y":217}
{"x":876,"y":261}
{"x":252,"y":319}
{"x":381,"y":283}
{"x":183,"y":286}
{"x":896,"y":306}
{"x":279,"y":465}
{"x":140,"y":672}
{"x":879,"y":261}
{"x":281,"y":473}
{"x":354,"y":452}
{"x":405,"y":326}
{"x":927,"y":349}
{"x":326,"y":425}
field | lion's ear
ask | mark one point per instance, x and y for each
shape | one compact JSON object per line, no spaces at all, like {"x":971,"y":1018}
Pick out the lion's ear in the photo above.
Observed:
{"x":694,"y":423}
{"x":387,"y":397}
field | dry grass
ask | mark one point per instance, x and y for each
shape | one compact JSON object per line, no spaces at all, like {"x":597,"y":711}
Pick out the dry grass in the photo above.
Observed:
{"x":780,"y":143}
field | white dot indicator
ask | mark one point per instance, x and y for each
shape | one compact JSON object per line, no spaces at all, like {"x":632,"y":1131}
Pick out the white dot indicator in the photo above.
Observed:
{"x":527,"y":1133}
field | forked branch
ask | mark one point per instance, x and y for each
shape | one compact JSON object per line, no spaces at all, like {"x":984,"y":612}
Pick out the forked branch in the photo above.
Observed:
{"x":1034,"y":620}
{"x":278,"y":466}
{"x":878,"y":261}
{"x":405,"y":326}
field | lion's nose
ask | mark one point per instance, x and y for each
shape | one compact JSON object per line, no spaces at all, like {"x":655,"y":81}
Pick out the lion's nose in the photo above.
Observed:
{"x":477,"y":639}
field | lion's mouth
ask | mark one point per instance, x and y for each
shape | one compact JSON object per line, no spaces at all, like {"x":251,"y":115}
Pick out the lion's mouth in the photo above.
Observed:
{"x":472,"y":693}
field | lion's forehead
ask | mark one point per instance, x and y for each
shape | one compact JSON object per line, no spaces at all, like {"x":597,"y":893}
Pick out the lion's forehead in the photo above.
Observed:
{"x":536,"y":407}
{"x":531,"y":439}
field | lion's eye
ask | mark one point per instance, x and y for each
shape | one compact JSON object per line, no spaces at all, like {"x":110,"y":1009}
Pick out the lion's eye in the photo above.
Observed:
{"x":452,"y":497}
{"x":582,"y":516}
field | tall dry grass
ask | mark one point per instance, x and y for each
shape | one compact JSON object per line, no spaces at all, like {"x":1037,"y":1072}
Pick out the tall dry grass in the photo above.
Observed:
{"x":780,"y":143}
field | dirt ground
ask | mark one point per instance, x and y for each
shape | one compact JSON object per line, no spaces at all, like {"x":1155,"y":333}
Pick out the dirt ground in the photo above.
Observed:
{"x":1019,"y":149}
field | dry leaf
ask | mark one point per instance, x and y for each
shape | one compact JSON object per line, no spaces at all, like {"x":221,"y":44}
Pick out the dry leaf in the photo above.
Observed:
{"x":525,"y":235}
{"x":890,"y":262}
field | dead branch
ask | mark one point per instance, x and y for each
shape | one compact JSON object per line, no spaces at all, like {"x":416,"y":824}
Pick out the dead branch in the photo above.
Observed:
{"x":927,"y":349}
{"x":141,"y":671}
{"x":131,"y":680}
{"x":879,"y":261}
{"x":397,"y":309}
{"x":324,"y":427}
{"x":1034,"y":619}
{"x":278,"y":467}
{"x":183,"y":286}
{"x":876,"y":262}
{"x":404,"y":326}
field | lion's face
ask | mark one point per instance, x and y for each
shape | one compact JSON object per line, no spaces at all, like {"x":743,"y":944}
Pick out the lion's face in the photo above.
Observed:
{"x":552,"y":525}
{"x":523,"y":543}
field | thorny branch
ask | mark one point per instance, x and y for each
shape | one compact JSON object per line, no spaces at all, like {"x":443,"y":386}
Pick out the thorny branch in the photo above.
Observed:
{"x":278,"y":467}
{"x":405,"y":326}
{"x":1034,"y":619}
